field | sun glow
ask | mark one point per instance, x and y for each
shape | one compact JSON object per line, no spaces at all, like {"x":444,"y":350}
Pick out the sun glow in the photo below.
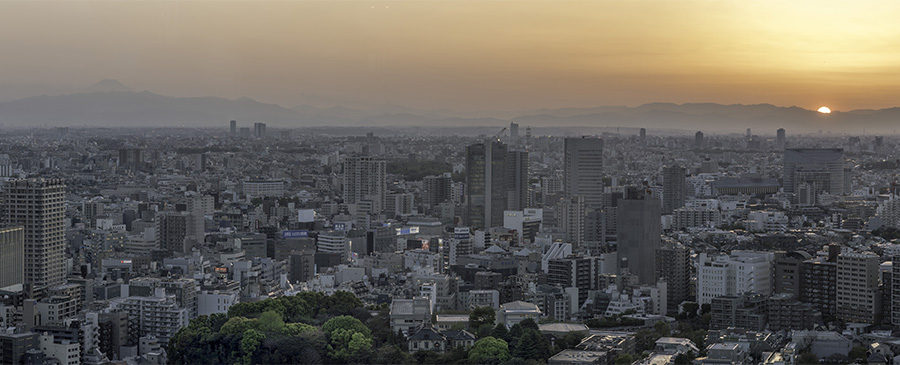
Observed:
{"x":824,"y":110}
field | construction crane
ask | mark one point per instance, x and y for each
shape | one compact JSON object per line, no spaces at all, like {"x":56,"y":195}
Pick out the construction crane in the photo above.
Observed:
{"x":497,"y":136}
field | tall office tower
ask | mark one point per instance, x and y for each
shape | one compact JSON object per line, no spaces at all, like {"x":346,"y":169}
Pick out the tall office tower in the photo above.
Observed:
{"x":513,"y":131}
{"x":38,"y":205}
{"x":493,"y":175}
{"x":809,"y":172}
{"x":517,"y":180}
{"x":259,"y":129}
{"x":638,"y":234}
{"x":171,"y":231}
{"x":643,"y":136}
{"x":528,"y":138}
{"x":365,"y":180}
{"x":858,"y":298}
{"x":233,"y":129}
{"x":584,"y":170}
{"x":698,"y":140}
{"x":818,"y":285}
{"x":437,"y":189}
{"x":779,"y":139}
{"x":570,"y":215}
{"x":674,"y":188}
{"x":12,"y":256}
{"x":673,"y":264}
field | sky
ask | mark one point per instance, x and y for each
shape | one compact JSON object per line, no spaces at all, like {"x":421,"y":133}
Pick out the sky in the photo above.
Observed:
{"x":463,"y":55}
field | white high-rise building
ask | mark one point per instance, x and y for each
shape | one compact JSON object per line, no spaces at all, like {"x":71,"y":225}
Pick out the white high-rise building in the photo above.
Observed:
{"x":735,"y":274}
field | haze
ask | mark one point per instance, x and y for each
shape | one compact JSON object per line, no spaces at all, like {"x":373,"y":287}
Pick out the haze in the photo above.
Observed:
{"x":463,"y":55}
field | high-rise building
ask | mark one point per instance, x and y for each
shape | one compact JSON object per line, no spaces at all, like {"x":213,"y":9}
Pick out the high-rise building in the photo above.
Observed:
{"x":38,"y":205}
{"x":570,"y":217}
{"x":259,"y":129}
{"x":513,"y":131}
{"x":436,"y":189}
{"x":638,"y":233}
{"x":643,"y":136}
{"x":12,"y":256}
{"x":673,"y":264}
{"x":517,"y":180}
{"x":809,"y":172}
{"x":496,"y":181}
{"x":818,"y":285}
{"x":858,"y":296}
{"x":699,"y":141}
{"x":365,"y":179}
{"x":740,"y":272}
{"x":674,"y":188}
{"x":575,"y":271}
{"x":583,"y":167}
{"x":779,"y":139}
{"x":172,"y":229}
{"x":233,"y":129}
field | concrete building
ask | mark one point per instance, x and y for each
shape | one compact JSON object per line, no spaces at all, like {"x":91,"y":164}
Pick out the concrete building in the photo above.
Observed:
{"x":262,"y":188}
{"x":12,"y":256}
{"x":15,"y":343}
{"x":514,"y":312}
{"x":741,"y":272}
{"x":742,"y":311}
{"x":496,"y":181}
{"x":583,"y":170}
{"x":407,"y":314}
{"x":38,"y":205}
{"x":674,"y":188}
{"x":673,"y":265}
{"x":570,"y":218}
{"x":819,"y":285}
{"x":818,"y":170}
{"x":365,"y":181}
{"x":858,"y":298}
{"x":159,"y":315}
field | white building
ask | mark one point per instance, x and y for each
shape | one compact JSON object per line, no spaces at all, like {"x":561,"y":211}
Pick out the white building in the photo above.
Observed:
{"x":68,"y":353}
{"x":215,"y":301}
{"x":263,"y":188}
{"x":514,"y":312}
{"x":158,"y":315}
{"x":333,"y":242}
{"x":741,"y":272}
{"x":767,"y":221}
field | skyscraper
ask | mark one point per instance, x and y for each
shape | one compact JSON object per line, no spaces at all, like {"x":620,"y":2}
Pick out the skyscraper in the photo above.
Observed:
{"x":638,"y":235}
{"x":496,"y":180}
{"x":674,"y":188}
{"x":513,"y":131}
{"x":570,"y":217}
{"x":584,"y":170}
{"x":259,"y":129}
{"x":698,"y":140}
{"x":517,"y":180}
{"x":365,"y":180}
{"x":809,"y":172}
{"x":12,"y":256}
{"x":858,"y":297}
{"x":779,"y":139}
{"x":233,"y":129}
{"x":38,"y":205}
{"x":673,"y":264}
{"x":643,"y":136}
{"x":436,"y":189}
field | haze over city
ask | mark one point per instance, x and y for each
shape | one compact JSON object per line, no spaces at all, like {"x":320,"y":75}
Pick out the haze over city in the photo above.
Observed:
{"x":463,"y":56}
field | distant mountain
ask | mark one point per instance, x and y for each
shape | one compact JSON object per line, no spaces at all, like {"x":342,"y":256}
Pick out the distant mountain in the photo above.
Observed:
{"x":107,"y":86}
{"x":111,"y":103}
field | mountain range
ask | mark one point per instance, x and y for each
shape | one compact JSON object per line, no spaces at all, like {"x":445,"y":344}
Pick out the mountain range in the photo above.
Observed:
{"x":110,"y":103}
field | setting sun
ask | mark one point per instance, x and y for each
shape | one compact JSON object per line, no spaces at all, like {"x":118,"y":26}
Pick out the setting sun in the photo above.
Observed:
{"x":824,"y":110}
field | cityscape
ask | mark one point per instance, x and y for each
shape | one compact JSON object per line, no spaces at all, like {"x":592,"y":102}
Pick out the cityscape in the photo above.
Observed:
{"x":410,"y":182}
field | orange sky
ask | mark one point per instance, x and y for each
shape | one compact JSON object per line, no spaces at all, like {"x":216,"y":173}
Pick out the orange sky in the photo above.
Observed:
{"x":467,"y":55}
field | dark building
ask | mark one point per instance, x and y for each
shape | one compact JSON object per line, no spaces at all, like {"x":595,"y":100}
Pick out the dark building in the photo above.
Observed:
{"x":673,"y":264}
{"x":436,"y":189}
{"x":699,"y":141}
{"x":638,"y":234}
{"x":674,"y":188}
{"x":744,"y":311}
{"x":171,"y":232}
{"x":819,"y":285}
{"x":496,"y":180}
{"x":233,"y":129}
{"x":302,"y":265}
{"x":12,"y":256}
{"x":575,"y":271}
{"x":14,"y":344}
{"x":785,"y":312}
{"x":789,"y":272}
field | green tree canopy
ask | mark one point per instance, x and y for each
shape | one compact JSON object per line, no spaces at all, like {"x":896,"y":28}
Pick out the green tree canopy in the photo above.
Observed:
{"x":481,"y":316}
{"x":489,"y":350}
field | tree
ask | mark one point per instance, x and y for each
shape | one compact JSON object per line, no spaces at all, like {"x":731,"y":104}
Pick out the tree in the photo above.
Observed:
{"x":346,"y":323}
{"x":685,"y":358}
{"x":662,"y":328}
{"x":807,"y":358}
{"x":858,"y":352}
{"x":481,"y":316}
{"x":250,"y":343}
{"x":489,"y":350}
{"x":625,"y":359}
{"x":271,"y":322}
{"x":500,"y":332}
{"x":238,"y":325}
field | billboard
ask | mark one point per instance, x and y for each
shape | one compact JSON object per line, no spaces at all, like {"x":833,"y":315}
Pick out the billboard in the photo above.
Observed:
{"x":295,"y":234}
